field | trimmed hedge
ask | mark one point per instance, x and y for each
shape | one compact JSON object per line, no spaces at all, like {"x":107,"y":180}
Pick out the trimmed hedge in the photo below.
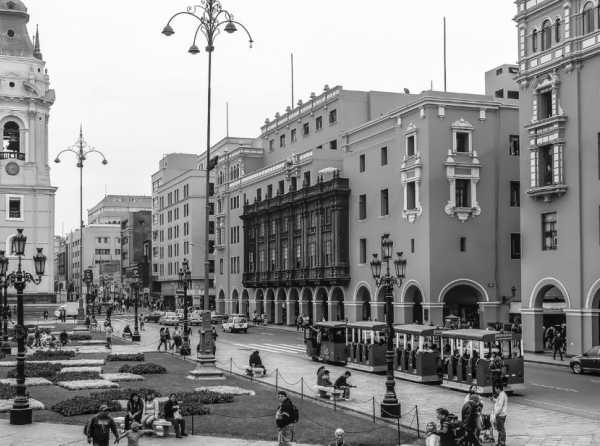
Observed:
{"x":80,"y":336}
{"x":81,"y":405}
{"x":76,"y":376}
{"x":146,"y":368}
{"x":42,"y":370}
{"x":7,"y":392}
{"x":125,"y":357}
{"x":122,"y":394}
{"x":51,"y":355}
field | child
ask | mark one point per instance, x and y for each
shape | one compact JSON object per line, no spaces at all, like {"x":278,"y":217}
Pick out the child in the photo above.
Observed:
{"x":431,"y":438}
{"x":133,"y":435}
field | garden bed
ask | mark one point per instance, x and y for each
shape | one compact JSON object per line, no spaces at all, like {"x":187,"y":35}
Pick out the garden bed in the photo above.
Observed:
{"x":118,"y":377}
{"x":81,"y":384}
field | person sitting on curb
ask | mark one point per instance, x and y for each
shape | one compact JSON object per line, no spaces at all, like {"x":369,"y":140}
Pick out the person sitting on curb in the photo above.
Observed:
{"x":325,"y":382}
{"x":255,"y":362}
{"x":98,"y":428}
{"x":339,"y":438}
{"x":173,"y":415}
{"x":342,"y":384}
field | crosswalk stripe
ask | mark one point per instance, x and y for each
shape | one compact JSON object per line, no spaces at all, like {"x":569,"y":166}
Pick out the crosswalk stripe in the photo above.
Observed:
{"x":272,"y":348}
{"x":286,"y":347}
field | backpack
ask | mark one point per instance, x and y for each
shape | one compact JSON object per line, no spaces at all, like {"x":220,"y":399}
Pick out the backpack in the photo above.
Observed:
{"x":295,"y":415}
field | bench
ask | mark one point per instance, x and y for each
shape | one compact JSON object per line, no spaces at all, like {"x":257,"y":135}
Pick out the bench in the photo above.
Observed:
{"x":161,"y":428}
{"x":256,"y":372}
{"x":327,"y":392}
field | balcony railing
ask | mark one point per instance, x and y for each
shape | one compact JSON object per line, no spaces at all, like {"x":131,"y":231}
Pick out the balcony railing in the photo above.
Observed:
{"x":320,"y":275}
{"x":12,"y":156}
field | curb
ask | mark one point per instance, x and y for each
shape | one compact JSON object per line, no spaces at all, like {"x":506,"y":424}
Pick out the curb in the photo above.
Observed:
{"x":536,"y":361}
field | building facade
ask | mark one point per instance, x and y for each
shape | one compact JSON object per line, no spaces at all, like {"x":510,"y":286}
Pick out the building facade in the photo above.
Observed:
{"x":559,"y":65}
{"x":178,"y":210}
{"x":112,"y":209}
{"x":136,"y":235}
{"x":26,"y":193}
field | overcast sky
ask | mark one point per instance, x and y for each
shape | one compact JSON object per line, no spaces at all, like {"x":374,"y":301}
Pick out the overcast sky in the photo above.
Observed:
{"x":140,"y":95}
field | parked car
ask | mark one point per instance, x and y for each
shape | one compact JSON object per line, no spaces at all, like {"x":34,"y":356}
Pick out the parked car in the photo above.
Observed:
{"x":153,"y":317}
{"x":195,"y":318}
{"x":169,"y":318}
{"x":217,"y":318}
{"x":588,"y":362}
{"x":70,"y":307}
{"x":235,"y":324}
{"x":179,"y":313}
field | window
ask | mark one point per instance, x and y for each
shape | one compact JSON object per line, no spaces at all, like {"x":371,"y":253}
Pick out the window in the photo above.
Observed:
{"x":14,"y":208}
{"x":545,"y":166}
{"x":293,"y":184}
{"x":384,"y":202}
{"x":463,"y":244}
{"x":498,"y":71}
{"x":327,"y":253}
{"x":361,"y":162}
{"x":545,"y":104}
{"x":588,"y":18}
{"x":306,"y":182}
{"x":546,"y":35}
{"x":271,"y":147}
{"x":312,"y":259}
{"x":269,"y":191}
{"x":512,"y":94}
{"x":280,"y":187}
{"x":513,"y":70}
{"x":211,"y":208}
{"x":293,"y":137}
{"x":362,"y":247}
{"x":318,"y":123}
{"x":333,"y":144}
{"x":557,"y":30}
{"x":258,"y":194}
{"x":411,"y":195}
{"x":515,"y":192}
{"x":320,"y":147}
{"x":515,"y":246}
{"x":282,"y":141}
{"x":410,"y":145}
{"x":306,"y":129}
{"x":499,"y":93}
{"x":514,"y":145}
{"x":12,"y":137}
{"x":298,"y":256}
{"x":211,"y":228}
{"x":220,"y":266}
{"x":362,"y":206}
{"x":384,"y":159}
{"x":412,"y":245}
{"x":333,"y":116}
{"x":462,"y":193}
{"x":534,"y":37}
{"x":549,"y":231}
{"x":462,"y":142}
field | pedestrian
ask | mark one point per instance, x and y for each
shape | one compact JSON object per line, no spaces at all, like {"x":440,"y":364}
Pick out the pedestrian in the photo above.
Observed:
{"x":142,"y":322}
{"x":299,"y":322}
{"x":431,"y":436}
{"x":339,"y":438}
{"x":168,"y":338}
{"x":98,"y":428}
{"x":342,"y":384}
{"x":134,"y":434}
{"x":214,"y":335}
{"x":45,"y":315}
{"x":471,"y":420}
{"x":557,"y":344}
{"x":445,"y":431}
{"x":163,"y":338}
{"x":176,"y":344}
{"x":285,"y":417}
{"x":499,"y":413}
{"x":173,"y":415}
{"x":109,"y":332}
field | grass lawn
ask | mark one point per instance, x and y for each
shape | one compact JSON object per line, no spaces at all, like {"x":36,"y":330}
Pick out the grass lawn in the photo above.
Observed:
{"x":249,"y":417}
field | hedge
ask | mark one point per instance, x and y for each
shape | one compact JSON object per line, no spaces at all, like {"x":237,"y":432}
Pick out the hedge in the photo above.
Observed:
{"x":76,"y":376}
{"x":122,"y":394}
{"x":7,"y":392}
{"x":145,"y":368}
{"x":81,"y":336}
{"x":41,"y":370}
{"x":125,"y":357}
{"x":81,"y":405}
{"x":51,"y":355}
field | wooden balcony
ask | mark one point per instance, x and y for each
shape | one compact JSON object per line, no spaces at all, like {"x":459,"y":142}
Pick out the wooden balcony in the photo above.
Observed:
{"x":316,"y":276}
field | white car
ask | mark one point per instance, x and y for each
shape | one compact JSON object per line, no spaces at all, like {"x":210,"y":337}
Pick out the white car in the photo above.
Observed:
{"x":235,"y":324}
{"x":70,"y":307}
{"x":169,"y":318}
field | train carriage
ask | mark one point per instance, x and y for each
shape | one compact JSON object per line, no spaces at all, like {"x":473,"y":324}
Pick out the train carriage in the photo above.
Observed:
{"x":326,"y":341}
{"x":365,"y":341}
{"x":418,"y":356}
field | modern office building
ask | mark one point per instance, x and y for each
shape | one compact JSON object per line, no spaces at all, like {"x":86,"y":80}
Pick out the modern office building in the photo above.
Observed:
{"x":178,"y":210}
{"x":559,"y":66}
{"x":26,"y":194}
{"x":112,"y":209}
{"x":136,"y":258}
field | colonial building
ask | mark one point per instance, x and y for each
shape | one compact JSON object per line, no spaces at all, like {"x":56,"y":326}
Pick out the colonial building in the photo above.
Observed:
{"x":178,"y":203}
{"x":559,"y":68}
{"x":114,"y":208}
{"x":27,"y":196}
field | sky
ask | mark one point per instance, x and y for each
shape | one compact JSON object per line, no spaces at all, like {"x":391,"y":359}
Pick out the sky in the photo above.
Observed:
{"x":140,"y":95}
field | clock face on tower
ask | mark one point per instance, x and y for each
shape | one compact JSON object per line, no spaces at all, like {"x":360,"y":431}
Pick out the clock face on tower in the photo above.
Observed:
{"x":12,"y":168}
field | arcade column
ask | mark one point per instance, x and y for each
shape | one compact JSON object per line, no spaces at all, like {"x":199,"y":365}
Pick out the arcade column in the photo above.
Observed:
{"x":533,"y":329}
{"x":377,"y":311}
{"x":488,"y":313}
{"x":279,"y":307}
{"x":591,"y":328}
{"x":291,"y":315}
{"x":403,"y":313}
{"x":433,"y":313}
{"x":575,"y":331}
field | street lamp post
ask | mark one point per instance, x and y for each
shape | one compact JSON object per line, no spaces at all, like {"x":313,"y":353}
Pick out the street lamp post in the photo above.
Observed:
{"x":88,"y":278}
{"x":81,"y":149}
{"x":390,"y":407}
{"x":135,"y":337}
{"x":4,"y":290}
{"x":21,"y":413}
{"x":185,"y":280}
{"x":212,"y":19}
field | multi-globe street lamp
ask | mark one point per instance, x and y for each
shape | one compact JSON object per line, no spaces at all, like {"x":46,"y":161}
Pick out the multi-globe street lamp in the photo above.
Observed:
{"x":185,"y":281}
{"x":390,"y":407}
{"x":81,"y":149}
{"x":21,"y":413}
{"x":212,"y":19}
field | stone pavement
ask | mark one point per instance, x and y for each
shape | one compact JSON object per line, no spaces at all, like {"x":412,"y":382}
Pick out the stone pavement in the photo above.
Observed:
{"x":49,"y":434}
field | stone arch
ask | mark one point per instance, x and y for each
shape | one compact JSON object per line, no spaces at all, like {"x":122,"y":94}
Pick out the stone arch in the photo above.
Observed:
{"x":293,"y":300}
{"x":363,"y":299}
{"x":593,"y":296}
{"x":461,"y":298}
{"x":260,"y":302}
{"x":536,"y":298}
{"x":470,"y":282}
{"x":306,"y":302}
{"x":221,"y":302}
{"x":235,"y":302}
{"x":322,"y":312}
{"x":245,"y":302}
{"x":360,"y":284}
{"x":414,"y":296}
{"x":270,"y":305}
{"x":14,"y":136}
{"x":549,"y":299}
{"x":336,"y":298}
{"x":593,"y":308}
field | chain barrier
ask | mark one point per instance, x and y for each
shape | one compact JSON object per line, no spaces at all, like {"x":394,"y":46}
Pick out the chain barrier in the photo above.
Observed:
{"x":289,"y":383}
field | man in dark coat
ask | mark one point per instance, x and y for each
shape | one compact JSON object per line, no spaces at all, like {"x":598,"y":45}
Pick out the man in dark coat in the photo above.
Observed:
{"x":98,"y":429}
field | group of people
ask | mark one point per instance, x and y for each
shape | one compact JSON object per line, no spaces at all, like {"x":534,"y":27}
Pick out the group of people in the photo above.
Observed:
{"x":173,"y":341}
{"x":46,"y":340}
{"x":142,"y":412}
{"x":473,"y":423}
{"x":555,"y":339}
{"x":341,"y":383}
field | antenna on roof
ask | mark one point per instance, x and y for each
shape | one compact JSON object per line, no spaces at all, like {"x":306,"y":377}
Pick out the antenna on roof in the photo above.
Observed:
{"x":292,"y":71}
{"x":445,"y":85}
{"x":227,"y":119}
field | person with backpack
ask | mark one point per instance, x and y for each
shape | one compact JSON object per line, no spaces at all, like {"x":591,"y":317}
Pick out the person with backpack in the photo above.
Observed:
{"x":98,"y":428}
{"x":285,"y":417}
{"x":447,"y":429}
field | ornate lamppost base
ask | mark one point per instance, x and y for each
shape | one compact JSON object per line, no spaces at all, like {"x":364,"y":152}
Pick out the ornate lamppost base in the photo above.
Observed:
{"x":390,"y":410}
{"x":21,"y":416}
{"x":80,"y":312}
{"x":206,"y":369}
{"x":135,"y":337}
{"x":6,"y":348}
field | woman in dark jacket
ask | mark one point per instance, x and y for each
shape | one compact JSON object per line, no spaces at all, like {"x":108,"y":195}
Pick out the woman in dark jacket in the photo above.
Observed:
{"x":174,"y":416}
{"x":135,"y":410}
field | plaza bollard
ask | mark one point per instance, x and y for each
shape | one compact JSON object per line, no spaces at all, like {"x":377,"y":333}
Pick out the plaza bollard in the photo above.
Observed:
{"x":334,"y":402}
{"x":230,"y":366}
{"x":418,"y":427}
{"x":373,"y":409}
{"x":276,"y":380}
{"x":302,"y":387}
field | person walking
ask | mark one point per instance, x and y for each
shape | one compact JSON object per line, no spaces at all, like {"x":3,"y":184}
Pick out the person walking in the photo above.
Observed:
{"x":168,"y":338}
{"x":162,"y":338}
{"x":299,"y":321}
{"x":98,"y":428}
{"x":109,"y":332}
{"x":45,"y":315}
{"x":285,"y":417}
{"x":500,"y":412}
{"x":470,"y":419}
{"x":557,"y":344}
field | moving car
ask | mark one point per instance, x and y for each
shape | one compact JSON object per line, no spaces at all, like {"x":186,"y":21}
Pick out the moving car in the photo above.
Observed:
{"x":588,"y":362}
{"x":235,"y":324}
{"x":153,"y":317}
{"x":169,"y":318}
{"x":195,"y":318}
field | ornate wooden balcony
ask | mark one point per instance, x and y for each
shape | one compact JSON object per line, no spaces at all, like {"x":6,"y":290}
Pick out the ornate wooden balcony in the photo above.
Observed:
{"x":321,"y":275}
